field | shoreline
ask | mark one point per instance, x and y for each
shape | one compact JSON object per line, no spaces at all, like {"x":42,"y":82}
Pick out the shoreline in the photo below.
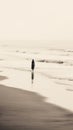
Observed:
{"x":25,"y":110}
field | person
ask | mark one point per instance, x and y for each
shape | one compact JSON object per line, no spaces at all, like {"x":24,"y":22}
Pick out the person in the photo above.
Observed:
{"x":32,"y":68}
{"x":32,"y":64}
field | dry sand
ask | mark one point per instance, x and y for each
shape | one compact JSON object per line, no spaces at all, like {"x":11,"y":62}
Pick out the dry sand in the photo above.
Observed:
{"x":24,"y":110}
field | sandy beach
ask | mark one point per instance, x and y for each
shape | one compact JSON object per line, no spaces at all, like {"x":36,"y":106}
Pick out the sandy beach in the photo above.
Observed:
{"x":24,"y":110}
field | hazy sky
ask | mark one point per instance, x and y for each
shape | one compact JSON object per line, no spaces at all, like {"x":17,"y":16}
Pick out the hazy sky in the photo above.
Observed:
{"x":36,"y":19}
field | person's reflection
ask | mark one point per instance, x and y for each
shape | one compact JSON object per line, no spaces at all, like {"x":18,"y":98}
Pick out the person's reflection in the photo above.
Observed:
{"x":32,"y":76}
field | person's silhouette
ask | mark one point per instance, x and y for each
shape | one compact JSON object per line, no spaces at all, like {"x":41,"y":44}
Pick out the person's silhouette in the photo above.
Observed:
{"x":32,"y":64}
{"x":32,"y":68}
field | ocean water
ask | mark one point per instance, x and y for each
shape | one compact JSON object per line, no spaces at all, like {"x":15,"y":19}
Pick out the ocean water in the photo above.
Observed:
{"x":55,"y":63}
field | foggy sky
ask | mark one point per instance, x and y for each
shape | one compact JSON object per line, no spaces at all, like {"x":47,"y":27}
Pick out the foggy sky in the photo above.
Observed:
{"x":36,"y":19}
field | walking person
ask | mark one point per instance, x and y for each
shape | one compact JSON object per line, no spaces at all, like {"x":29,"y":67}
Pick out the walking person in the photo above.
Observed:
{"x":32,"y":64}
{"x":32,"y":68}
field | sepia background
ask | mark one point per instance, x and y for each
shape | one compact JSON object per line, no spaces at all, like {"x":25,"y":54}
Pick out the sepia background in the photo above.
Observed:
{"x":39,"y":99}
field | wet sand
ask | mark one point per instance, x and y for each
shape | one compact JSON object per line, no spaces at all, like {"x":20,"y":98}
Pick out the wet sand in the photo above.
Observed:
{"x":24,"y":110}
{"x":3,"y":77}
